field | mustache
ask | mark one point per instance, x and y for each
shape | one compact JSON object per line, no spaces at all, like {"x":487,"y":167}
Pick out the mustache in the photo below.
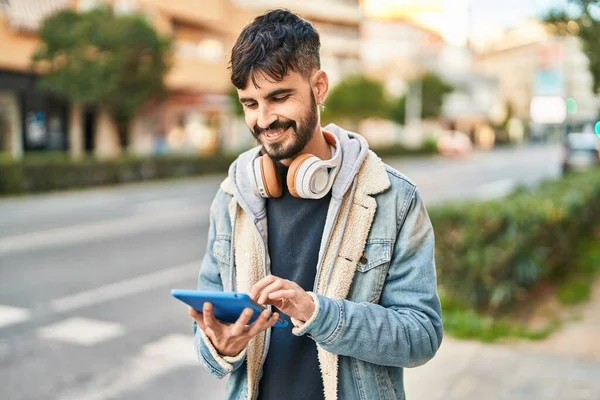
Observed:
{"x":283,"y":125}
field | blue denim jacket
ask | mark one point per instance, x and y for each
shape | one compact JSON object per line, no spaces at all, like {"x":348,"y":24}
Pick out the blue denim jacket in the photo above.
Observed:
{"x":377,"y":305}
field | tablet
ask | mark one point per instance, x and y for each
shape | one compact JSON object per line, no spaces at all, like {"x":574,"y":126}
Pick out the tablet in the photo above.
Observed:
{"x":227,"y":306}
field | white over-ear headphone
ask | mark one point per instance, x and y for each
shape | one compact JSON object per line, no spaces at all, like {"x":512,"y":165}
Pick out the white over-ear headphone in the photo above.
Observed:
{"x":308,"y":177}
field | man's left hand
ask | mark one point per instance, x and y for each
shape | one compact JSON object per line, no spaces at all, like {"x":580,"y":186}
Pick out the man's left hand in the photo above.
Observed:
{"x":286,"y":295}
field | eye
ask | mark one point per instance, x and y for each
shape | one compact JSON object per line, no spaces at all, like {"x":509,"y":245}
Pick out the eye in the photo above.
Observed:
{"x":281,"y":99}
{"x":249,"y":105}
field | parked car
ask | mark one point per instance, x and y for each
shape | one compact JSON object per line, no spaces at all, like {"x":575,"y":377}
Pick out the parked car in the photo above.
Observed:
{"x":580,"y":151}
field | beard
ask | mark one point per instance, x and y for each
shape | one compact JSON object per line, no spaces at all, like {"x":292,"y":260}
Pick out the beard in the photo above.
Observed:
{"x":301,"y":134}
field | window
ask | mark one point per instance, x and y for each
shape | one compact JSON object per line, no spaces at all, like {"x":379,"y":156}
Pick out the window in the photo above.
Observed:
{"x":87,"y":5}
{"x":208,"y":49}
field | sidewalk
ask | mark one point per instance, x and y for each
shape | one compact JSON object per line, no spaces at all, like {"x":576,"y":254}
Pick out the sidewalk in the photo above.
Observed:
{"x":564,"y":366}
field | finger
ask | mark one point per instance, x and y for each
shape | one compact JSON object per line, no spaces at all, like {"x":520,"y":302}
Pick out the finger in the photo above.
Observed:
{"x":273,"y":320}
{"x":263,"y":322}
{"x":239,"y":327}
{"x":282,"y":294}
{"x":198,"y":317}
{"x":209,"y":317}
{"x":260,"y":285}
{"x":273,"y":287}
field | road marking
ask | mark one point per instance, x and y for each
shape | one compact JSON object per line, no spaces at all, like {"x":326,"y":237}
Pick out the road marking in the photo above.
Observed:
{"x":126,"y":287}
{"x":81,"y":331}
{"x":496,"y":189}
{"x":106,"y":229}
{"x":13,"y":315}
{"x":176,"y":347}
{"x":154,"y":360}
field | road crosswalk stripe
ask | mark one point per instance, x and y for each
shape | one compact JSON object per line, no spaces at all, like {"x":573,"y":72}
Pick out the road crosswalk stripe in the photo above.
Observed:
{"x":81,"y":331}
{"x":155,"y":359}
{"x":13,"y":315}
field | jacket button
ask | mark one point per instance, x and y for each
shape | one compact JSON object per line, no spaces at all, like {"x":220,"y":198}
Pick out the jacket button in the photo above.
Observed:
{"x":363,"y":260}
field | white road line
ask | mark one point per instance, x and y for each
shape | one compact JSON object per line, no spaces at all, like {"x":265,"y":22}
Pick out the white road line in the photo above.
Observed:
{"x":13,"y":315}
{"x":496,"y":189}
{"x":81,"y":331}
{"x":111,"y":228}
{"x":127,"y":287}
{"x":154,"y":360}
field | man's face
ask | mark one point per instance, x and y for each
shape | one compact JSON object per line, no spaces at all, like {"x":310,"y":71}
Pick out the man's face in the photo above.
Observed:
{"x":281,"y":115}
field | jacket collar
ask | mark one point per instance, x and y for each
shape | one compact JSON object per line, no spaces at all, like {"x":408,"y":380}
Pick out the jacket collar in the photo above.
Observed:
{"x":372,"y":177}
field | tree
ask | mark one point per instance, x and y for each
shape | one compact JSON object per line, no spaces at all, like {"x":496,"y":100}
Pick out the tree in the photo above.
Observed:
{"x":116,"y":62}
{"x":356,"y":98}
{"x":234,"y":101}
{"x":581,"y":18}
{"x":433,"y":90}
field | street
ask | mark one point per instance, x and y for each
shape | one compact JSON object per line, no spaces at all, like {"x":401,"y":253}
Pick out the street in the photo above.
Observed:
{"x":85,"y":280}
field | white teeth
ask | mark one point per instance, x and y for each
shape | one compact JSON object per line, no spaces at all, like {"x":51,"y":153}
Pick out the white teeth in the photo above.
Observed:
{"x":270,"y":133}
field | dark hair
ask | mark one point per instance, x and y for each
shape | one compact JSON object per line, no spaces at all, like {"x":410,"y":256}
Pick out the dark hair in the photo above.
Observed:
{"x":273,"y":43}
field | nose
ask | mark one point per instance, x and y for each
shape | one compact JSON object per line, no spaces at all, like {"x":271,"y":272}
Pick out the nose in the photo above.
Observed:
{"x":265,"y":117}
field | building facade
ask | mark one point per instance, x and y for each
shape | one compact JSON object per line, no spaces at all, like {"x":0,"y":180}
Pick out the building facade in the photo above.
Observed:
{"x":196,"y":116}
{"x":553,"y":86}
{"x":191,"y":119}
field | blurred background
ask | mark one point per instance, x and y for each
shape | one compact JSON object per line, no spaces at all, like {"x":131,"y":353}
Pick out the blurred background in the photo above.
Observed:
{"x":490,"y":107}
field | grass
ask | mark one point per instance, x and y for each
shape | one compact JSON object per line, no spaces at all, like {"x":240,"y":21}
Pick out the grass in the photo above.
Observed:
{"x":576,"y":288}
{"x":465,"y":323}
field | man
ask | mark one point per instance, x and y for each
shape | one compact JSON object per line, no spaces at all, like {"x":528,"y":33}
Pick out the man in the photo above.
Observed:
{"x":314,"y":225}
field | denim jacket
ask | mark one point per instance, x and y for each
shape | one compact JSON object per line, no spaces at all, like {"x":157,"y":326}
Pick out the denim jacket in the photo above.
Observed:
{"x":377,"y":309}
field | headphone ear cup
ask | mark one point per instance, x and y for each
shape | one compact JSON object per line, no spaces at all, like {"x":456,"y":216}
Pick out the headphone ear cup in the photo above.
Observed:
{"x":271,"y":177}
{"x":293,"y":172}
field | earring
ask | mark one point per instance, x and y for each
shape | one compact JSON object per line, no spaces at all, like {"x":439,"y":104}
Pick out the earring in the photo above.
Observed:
{"x":321,"y":105}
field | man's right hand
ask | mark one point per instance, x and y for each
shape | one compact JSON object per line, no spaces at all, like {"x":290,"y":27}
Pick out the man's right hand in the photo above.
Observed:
{"x":231,"y":339}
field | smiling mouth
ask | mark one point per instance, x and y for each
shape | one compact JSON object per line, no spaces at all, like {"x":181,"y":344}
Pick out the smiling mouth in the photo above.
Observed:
{"x":274,"y":133}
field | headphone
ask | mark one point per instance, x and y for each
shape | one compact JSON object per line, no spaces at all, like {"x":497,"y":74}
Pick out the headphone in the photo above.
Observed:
{"x":308,"y":176}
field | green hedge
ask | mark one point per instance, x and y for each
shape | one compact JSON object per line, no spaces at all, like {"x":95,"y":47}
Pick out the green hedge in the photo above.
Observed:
{"x":51,"y":171}
{"x":490,"y":255}
{"x":41,"y":174}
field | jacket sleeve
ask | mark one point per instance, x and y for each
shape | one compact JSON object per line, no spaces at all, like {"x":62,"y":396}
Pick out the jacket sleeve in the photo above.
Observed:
{"x":210,"y":279}
{"x":405,"y":328}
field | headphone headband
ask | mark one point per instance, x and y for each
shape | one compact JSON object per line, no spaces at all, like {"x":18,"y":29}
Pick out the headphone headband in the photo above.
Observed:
{"x":308,"y":177}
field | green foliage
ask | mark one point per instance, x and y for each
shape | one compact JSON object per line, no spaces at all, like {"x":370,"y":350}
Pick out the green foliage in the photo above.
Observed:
{"x":42,"y":174}
{"x":466,"y":323}
{"x":117,"y":62}
{"x":356,"y":98}
{"x":433,"y":90}
{"x":430,"y":145}
{"x":44,"y":171}
{"x":576,"y":288}
{"x":397,"y":150}
{"x":585,"y":24}
{"x":234,"y":101}
{"x":491,"y":254}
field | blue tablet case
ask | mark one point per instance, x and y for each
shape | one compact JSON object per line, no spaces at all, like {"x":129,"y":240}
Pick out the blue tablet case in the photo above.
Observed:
{"x":227,"y":306}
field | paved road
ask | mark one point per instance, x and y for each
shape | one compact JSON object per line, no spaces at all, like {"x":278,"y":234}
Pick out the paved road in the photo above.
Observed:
{"x":85,"y":311}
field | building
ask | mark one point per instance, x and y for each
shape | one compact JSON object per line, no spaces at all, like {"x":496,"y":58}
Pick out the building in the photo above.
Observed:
{"x":553,"y":85}
{"x":338,"y":23}
{"x":196,"y":116}
{"x":197,"y":106}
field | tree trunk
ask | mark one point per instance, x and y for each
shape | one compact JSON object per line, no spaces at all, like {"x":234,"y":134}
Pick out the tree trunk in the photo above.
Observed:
{"x":122,"y":124}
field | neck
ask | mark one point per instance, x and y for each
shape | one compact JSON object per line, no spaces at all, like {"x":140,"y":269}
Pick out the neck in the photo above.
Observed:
{"x":317,"y":146}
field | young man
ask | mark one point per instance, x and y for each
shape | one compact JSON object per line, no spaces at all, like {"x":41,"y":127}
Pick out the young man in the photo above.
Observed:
{"x":315,"y":225}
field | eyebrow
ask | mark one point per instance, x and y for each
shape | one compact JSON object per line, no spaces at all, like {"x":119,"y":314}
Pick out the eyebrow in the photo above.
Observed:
{"x":274,"y":93}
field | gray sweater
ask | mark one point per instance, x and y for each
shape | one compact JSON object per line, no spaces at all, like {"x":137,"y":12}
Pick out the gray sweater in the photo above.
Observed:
{"x":295,"y":226}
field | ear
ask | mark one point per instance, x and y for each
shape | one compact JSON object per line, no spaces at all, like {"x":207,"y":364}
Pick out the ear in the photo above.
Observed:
{"x":320,"y":86}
